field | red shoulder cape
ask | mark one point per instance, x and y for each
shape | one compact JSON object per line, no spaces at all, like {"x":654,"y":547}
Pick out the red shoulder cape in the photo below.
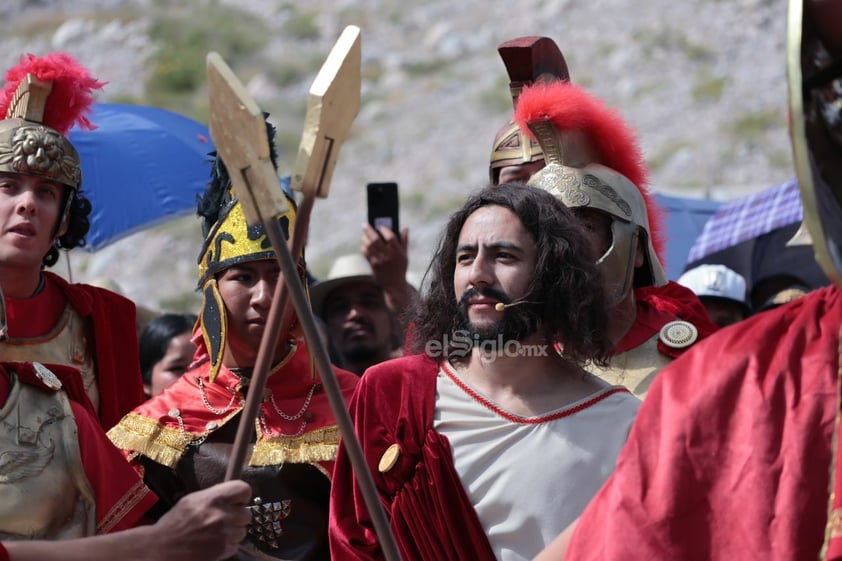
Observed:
{"x":730,"y":455}
{"x":659,"y":305}
{"x":113,"y":318}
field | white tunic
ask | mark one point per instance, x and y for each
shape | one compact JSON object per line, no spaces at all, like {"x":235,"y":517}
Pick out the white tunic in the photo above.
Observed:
{"x":530,"y":477}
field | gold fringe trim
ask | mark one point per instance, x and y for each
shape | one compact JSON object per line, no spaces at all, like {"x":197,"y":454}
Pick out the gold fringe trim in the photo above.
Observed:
{"x":150,"y":438}
{"x":317,"y":446}
{"x":833,"y":526}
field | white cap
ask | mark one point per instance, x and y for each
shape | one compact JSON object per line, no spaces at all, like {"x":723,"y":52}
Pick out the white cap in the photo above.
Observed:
{"x":717,"y":281}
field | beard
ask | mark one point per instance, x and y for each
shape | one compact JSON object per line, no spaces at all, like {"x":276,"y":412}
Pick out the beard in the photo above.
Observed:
{"x":517,"y":322}
{"x":360,"y":352}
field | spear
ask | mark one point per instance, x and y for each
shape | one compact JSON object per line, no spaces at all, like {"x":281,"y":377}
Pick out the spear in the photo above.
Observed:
{"x":239,"y":133}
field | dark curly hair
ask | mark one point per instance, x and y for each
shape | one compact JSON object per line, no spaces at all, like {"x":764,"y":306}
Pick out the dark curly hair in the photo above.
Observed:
{"x":78,"y":225}
{"x":568,"y":287}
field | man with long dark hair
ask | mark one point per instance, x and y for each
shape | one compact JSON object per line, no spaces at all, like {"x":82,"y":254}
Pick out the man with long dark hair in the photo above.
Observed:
{"x":490,"y":440}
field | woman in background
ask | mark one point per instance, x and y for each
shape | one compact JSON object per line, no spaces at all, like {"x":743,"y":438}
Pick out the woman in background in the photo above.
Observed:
{"x":166,"y":350}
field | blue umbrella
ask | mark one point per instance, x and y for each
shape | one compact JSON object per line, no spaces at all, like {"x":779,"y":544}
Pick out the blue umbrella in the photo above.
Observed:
{"x":140,"y":167}
{"x":684,"y":219}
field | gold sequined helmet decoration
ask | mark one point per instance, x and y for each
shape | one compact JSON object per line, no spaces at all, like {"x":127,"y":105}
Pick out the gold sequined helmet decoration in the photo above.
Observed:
{"x":593,"y":161}
{"x":814,"y":68}
{"x":229,"y":240}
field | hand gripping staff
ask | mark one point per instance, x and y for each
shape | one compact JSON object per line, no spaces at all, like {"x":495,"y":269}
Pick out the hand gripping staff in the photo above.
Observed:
{"x":239,"y":134}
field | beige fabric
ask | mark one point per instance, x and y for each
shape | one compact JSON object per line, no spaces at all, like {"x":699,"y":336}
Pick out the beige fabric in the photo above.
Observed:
{"x":44,"y":492}
{"x":66,"y":344}
{"x":635,"y":368}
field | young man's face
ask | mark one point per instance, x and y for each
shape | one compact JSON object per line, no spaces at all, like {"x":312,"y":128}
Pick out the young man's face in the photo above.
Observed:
{"x":29,"y":211}
{"x":520,"y":172}
{"x":247,"y":290}
{"x":358,"y":321}
{"x":495,"y":262}
{"x":597,"y":228}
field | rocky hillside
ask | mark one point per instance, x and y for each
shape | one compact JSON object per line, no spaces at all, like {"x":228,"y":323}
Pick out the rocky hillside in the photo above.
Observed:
{"x":703,"y":82}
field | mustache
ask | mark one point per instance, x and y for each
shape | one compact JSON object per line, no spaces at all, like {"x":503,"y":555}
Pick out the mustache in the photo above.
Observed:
{"x":485,"y":292}
{"x":359,"y":322}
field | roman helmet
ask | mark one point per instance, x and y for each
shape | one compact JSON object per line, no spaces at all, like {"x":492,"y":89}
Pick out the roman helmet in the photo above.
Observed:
{"x":511,"y":148}
{"x":42,"y":98}
{"x":229,"y":240}
{"x":814,"y":68}
{"x":593,"y":161}
{"x":527,"y":60}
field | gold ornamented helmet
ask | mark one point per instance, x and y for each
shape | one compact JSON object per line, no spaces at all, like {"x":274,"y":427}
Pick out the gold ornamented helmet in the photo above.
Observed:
{"x":528,"y":60}
{"x":229,"y":241}
{"x":594,"y":162}
{"x":41,"y":100}
{"x":814,"y":68}
{"x":511,"y":148}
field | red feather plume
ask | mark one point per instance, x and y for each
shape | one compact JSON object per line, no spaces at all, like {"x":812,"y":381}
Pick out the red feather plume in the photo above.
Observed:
{"x":569,"y":107}
{"x":72,"y":95}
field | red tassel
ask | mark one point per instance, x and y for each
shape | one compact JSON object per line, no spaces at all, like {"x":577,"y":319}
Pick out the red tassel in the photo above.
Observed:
{"x":72,"y":94}
{"x":570,"y":107}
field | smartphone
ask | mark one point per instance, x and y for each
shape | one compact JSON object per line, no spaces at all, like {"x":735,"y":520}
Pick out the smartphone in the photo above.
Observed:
{"x":383,"y":206}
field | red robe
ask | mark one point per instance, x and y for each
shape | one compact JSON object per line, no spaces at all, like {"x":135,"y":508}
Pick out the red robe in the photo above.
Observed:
{"x":111,"y":318}
{"x":730,"y":455}
{"x":430,"y":512}
{"x":121,"y":497}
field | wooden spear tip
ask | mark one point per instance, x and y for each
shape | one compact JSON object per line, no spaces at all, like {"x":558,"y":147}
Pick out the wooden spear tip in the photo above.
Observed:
{"x":345,"y":54}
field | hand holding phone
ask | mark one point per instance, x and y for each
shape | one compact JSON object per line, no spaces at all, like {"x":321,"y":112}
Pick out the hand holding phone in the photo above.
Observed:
{"x":383,"y":206}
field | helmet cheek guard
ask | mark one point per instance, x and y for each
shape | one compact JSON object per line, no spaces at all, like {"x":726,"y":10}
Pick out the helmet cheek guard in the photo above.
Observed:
{"x":599,"y":188}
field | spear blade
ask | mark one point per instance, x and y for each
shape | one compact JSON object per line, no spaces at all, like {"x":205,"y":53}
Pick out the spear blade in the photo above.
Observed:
{"x":332,"y":106}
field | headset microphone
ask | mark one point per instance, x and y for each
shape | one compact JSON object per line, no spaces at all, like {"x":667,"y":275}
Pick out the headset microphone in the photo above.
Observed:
{"x":499,"y":306}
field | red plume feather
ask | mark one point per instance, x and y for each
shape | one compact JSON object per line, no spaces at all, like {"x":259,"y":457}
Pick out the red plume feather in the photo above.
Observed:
{"x":569,"y":107}
{"x":72,"y":95}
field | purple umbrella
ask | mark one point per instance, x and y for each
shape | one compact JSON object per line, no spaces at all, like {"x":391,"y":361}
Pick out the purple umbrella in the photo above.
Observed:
{"x":140,"y":167}
{"x":747,"y":218}
{"x":751,"y":235}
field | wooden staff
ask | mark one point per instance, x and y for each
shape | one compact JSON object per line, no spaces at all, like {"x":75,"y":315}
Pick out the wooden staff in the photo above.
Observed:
{"x":239,"y":133}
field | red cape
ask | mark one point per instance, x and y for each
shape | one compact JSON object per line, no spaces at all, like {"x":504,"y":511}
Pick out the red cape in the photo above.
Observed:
{"x":153,"y":430}
{"x":430,"y":513}
{"x":659,"y":305}
{"x":730,"y":455}
{"x":113,"y":320}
